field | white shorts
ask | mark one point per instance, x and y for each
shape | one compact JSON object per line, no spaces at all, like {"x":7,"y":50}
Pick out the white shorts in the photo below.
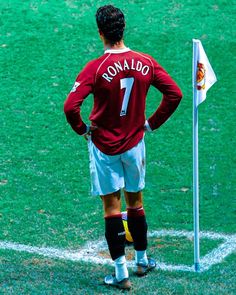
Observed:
{"x":112,"y":173}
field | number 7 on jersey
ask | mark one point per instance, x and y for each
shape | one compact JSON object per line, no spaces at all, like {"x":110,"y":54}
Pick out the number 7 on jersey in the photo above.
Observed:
{"x":126,"y":83}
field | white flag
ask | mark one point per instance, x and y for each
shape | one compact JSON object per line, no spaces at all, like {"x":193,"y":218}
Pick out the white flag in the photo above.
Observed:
{"x":203,"y":74}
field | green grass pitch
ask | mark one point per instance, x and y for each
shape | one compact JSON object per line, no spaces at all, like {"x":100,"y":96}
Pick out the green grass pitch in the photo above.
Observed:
{"x":44,"y":177}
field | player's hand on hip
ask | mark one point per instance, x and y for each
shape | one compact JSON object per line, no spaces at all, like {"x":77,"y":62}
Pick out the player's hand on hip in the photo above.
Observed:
{"x":89,"y":132}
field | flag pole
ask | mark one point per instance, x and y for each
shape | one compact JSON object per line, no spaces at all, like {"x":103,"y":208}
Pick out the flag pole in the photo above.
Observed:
{"x":195,"y":162}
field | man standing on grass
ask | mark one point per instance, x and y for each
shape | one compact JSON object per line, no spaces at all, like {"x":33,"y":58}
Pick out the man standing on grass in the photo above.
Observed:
{"x":119,"y":81}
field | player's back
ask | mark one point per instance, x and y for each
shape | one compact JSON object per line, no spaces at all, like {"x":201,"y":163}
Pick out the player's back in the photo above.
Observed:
{"x":121,"y":82}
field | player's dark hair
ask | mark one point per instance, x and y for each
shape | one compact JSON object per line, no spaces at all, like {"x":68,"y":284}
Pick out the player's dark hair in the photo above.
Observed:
{"x":111,"y":22}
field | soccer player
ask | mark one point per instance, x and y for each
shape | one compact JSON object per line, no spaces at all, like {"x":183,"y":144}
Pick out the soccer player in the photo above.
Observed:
{"x":119,"y":81}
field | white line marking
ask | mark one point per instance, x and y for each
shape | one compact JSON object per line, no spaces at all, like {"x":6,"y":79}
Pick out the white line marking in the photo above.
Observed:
{"x":90,"y":252}
{"x":218,"y":254}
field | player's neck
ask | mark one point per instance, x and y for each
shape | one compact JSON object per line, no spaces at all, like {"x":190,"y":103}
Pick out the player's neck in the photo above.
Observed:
{"x":118,"y":45}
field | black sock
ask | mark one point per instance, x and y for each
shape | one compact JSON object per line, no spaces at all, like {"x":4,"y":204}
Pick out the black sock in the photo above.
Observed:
{"x":138,"y":227}
{"x":115,"y":235}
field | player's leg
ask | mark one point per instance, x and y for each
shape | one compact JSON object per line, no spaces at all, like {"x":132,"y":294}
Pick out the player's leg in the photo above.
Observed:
{"x":134,"y":172}
{"x":115,"y":233}
{"x":107,"y":179}
{"x":111,"y":204}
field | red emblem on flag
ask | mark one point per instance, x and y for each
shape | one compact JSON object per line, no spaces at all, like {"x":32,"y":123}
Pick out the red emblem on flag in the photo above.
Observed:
{"x":201,"y":74}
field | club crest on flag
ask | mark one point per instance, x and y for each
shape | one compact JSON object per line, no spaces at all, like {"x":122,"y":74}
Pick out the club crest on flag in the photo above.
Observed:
{"x":201,"y":75}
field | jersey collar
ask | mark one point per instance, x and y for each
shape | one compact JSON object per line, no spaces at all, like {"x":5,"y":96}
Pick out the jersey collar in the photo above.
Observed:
{"x":125,"y":49}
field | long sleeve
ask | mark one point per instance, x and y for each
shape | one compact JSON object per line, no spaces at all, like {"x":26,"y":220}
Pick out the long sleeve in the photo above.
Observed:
{"x":170,"y":99}
{"x":82,"y":88}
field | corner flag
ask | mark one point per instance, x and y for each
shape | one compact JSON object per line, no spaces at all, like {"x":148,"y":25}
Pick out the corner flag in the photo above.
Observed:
{"x":203,"y":78}
{"x":203,"y":72}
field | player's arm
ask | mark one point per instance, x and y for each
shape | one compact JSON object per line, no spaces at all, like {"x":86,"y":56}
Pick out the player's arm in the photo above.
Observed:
{"x":170,"y":99}
{"x":82,"y":88}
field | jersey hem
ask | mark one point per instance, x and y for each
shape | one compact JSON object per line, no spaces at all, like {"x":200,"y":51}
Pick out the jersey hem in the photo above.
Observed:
{"x":121,"y":150}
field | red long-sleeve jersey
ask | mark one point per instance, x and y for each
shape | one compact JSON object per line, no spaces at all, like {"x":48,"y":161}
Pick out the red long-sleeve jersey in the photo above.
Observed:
{"x":119,"y":81}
